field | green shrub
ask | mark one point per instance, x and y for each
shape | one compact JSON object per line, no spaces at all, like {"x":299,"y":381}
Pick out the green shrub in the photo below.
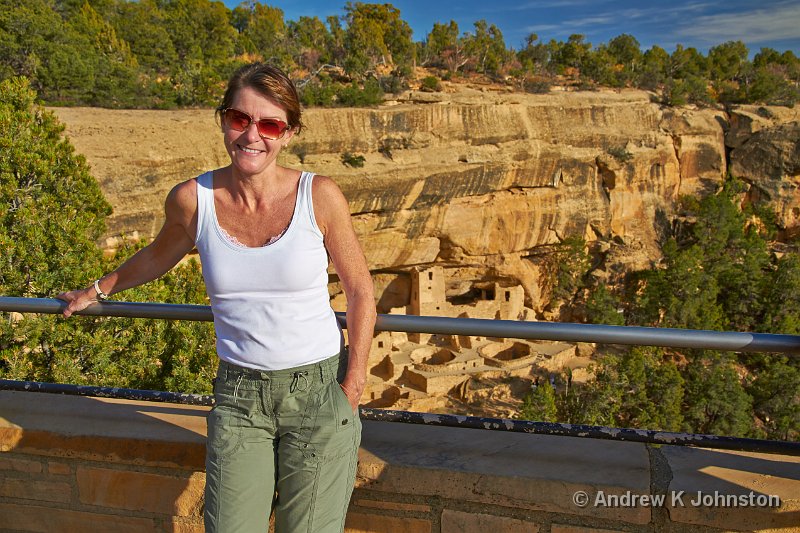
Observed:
{"x":353,"y":160}
{"x":537,"y":86}
{"x":318,"y":93}
{"x":300,"y":151}
{"x":393,"y":84}
{"x":53,"y":210}
{"x":430,"y":84}
{"x":354,"y":96}
{"x":693,"y":89}
{"x":620,"y":154}
{"x":569,"y":265}
{"x":539,"y":404}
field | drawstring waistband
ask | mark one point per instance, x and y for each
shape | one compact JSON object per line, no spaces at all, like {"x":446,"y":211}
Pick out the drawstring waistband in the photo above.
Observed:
{"x":325,"y":370}
{"x":296,"y":378}
{"x":236,"y":388}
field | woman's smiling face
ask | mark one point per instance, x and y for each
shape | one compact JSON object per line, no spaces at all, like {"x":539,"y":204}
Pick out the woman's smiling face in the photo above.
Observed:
{"x":251,"y":154}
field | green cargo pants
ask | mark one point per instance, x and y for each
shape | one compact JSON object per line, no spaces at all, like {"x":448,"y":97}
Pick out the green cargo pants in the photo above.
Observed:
{"x":286,"y":439}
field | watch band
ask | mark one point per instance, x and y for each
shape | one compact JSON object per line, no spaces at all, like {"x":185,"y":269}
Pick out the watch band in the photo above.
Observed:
{"x":100,"y":294}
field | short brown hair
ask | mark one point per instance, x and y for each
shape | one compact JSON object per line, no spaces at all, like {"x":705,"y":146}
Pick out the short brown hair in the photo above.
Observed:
{"x":272,"y":83}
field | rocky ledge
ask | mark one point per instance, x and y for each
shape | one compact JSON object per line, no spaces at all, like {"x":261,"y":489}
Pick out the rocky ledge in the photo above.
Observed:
{"x":480,"y":182}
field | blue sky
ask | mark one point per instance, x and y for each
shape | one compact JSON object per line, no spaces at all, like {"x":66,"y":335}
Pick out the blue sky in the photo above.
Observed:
{"x":697,"y":23}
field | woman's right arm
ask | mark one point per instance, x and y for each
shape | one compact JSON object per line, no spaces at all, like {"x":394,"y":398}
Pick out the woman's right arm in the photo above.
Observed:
{"x":172,"y":243}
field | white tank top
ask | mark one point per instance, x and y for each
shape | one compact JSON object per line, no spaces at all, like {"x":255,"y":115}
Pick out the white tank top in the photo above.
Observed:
{"x":270,"y":304}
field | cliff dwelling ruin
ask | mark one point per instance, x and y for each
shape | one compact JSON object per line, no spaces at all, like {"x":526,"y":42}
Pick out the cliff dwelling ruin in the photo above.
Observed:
{"x":419,"y":371}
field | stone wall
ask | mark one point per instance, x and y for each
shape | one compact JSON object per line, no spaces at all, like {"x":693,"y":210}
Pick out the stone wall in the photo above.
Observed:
{"x":89,"y":464}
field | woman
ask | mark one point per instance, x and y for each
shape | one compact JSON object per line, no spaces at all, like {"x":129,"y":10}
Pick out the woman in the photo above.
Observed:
{"x":284,"y":431}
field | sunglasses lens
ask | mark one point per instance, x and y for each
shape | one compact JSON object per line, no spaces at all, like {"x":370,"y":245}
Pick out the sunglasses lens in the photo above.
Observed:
{"x":271,"y":128}
{"x":268,"y":128}
{"x":237,"y":120}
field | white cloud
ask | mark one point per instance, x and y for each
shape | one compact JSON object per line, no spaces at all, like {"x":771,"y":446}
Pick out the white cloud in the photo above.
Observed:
{"x":541,"y":27}
{"x":553,"y":3}
{"x":573,"y":26}
{"x":760,"y":25}
{"x":611,"y":18}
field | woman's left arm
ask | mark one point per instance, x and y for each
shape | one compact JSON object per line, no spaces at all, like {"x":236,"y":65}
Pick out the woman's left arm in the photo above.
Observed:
{"x":333,"y":218}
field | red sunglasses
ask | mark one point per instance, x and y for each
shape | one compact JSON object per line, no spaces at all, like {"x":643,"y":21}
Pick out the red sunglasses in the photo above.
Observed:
{"x":268,"y":128}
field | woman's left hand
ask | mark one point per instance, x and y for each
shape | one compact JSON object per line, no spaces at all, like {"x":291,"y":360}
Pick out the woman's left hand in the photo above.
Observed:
{"x":353,"y":396}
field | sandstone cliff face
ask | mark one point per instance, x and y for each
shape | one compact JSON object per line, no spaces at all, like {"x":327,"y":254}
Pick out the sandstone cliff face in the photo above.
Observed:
{"x":765,"y":151}
{"x":480,"y":183}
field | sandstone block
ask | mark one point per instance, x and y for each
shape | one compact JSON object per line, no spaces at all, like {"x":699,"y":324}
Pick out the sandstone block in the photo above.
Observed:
{"x":702,"y":165}
{"x":370,"y":523}
{"x":50,"y":520}
{"x":27,"y":489}
{"x":394,"y":506}
{"x":61,"y":469}
{"x":20,"y":465}
{"x":187,"y":526}
{"x":104,"y":429}
{"x":461,"y":522}
{"x":140,"y":491}
{"x":535,"y":472}
{"x":560,"y":528}
{"x":731,"y":490}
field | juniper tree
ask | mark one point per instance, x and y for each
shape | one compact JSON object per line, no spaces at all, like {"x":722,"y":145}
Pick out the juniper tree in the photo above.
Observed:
{"x":52,"y":213}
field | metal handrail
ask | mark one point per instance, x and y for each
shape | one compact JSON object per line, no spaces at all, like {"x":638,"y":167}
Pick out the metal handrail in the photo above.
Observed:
{"x":552,"y":331}
{"x":679,"y":338}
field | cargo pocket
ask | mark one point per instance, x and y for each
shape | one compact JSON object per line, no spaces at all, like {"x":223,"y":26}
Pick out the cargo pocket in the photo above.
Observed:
{"x":345,"y":415}
{"x":225,"y":421}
